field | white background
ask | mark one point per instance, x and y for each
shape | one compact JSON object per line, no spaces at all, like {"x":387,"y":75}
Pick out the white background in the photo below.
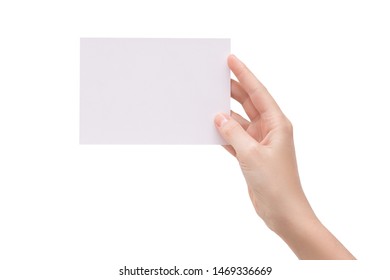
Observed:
{"x":82,"y":212}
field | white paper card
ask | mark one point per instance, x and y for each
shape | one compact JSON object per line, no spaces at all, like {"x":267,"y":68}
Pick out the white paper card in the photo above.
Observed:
{"x":152,"y":91}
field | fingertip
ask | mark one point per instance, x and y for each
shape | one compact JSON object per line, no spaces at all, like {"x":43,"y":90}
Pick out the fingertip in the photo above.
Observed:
{"x":220,"y":119}
{"x":232,"y":132}
{"x":231,"y":59}
{"x":234,"y":62}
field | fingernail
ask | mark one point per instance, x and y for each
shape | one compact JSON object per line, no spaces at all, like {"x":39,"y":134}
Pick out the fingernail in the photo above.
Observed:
{"x":221,"y":119}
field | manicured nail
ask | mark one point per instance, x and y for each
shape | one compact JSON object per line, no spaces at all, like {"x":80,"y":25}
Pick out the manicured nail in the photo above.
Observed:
{"x":221,"y":119}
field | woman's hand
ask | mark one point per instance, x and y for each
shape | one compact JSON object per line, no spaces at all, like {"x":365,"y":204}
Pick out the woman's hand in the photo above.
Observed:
{"x":264,"y":148}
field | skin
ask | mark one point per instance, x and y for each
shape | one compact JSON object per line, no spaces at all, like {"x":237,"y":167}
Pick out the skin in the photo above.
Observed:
{"x":264,"y":148}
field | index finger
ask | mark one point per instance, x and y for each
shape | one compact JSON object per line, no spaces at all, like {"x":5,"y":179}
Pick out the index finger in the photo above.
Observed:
{"x":261,"y":98}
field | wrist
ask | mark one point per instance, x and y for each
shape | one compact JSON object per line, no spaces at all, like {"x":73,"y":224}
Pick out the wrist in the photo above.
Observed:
{"x":309,"y":238}
{"x":294,"y":221}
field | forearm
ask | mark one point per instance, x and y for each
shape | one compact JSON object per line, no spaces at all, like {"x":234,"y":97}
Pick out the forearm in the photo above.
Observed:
{"x":310,"y":240}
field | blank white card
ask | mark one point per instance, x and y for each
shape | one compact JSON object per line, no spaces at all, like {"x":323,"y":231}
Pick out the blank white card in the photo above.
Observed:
{"x":152,"y":91}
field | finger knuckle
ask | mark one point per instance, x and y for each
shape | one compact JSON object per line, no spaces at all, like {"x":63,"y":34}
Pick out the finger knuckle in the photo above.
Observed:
{"x":287,"y":126}
{"x":251,"y":151}
{"x":256,"y":89}
{"x":230,"y":129}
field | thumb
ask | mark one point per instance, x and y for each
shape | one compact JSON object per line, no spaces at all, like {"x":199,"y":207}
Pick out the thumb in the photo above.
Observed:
{"x":233,"y":133}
